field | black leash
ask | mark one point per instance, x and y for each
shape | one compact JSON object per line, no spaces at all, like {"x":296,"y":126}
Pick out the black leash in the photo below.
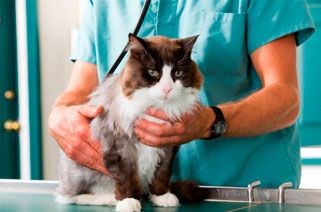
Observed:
{"x":137,"y":28}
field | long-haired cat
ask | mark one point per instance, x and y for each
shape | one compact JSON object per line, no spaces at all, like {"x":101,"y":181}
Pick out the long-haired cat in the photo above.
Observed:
{"x":159,"y":73}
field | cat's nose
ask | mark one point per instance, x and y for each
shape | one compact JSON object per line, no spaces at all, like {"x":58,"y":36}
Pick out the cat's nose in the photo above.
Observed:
{"x":167,"y":89}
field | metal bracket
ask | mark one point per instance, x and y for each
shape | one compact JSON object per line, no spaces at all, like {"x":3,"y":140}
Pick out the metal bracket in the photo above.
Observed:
{"x":281,"y":190}
{"x":250,"y":190}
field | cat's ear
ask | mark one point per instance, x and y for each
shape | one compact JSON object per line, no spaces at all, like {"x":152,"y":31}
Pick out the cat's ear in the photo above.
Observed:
{"x":139,"y":49}
{"x":188,"y":43}
{"x":136,"y":43}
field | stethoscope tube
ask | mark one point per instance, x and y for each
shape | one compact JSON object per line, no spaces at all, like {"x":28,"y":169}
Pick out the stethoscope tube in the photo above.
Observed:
{"x":136,"y":30}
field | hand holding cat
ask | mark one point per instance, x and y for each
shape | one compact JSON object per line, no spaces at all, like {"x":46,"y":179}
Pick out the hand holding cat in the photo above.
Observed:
{"x":190,"y":127}
{"x":69,"y":126}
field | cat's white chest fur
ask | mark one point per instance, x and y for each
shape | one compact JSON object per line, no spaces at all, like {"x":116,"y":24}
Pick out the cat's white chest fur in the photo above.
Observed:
{"x":148,"y":159}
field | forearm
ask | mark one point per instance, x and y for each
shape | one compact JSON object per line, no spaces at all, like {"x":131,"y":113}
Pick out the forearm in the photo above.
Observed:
{"x":69,"y":98}
{"x":269,"y":109}
{"x":83,"y":80}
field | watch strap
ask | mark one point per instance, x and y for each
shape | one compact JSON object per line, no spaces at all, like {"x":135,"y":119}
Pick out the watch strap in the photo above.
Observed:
{"x":219,"y":114}
{"x":219,"y":118}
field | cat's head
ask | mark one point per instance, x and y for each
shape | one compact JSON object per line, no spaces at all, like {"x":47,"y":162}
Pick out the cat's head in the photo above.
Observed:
{"x":161,"y":66}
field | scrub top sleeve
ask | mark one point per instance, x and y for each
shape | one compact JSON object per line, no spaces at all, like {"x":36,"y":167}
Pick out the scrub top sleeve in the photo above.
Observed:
{"x":84,"y":46}
{"x":269,"y":20}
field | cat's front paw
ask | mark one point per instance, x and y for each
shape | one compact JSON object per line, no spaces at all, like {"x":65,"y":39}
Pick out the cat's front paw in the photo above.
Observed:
{"x":128,"y":205}
{"x":64,"y":200}
{"x":166,"y":200}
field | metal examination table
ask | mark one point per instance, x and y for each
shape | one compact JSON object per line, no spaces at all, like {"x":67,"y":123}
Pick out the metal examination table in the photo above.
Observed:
{"x":34,"y":196}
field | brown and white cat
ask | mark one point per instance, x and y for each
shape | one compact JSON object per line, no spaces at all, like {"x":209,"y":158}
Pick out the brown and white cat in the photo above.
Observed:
{"x":159,"y":73}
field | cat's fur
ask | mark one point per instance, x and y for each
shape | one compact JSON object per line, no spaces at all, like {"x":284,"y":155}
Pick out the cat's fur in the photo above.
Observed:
{"x":137,"y":169}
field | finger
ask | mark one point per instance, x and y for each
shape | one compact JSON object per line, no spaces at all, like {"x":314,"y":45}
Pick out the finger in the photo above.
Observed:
{"x":89,"y":111}
{"x":147,"y":143}
{"x":81,"y":152}
{"x":151,"y":144}
{"x":83,"y":146}
{"x":146,"y":137}
{"x":72,"y":144}
{"x":95,"y":144}
{"x":82,"y":129}
{"x":160,"y":114}
{"x":155,"y":141}
{"x":160,"y":129}
{"x":79,"y":127}
{"x":153,"y":128}
{"x":91,"y":162}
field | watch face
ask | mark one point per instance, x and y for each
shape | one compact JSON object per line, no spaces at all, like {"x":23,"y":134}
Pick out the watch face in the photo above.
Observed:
{"x":220,"y":127}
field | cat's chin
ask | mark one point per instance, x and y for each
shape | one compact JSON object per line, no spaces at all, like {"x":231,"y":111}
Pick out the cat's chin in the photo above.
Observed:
{"x":169,"y":100}
{"x":164,"y":101}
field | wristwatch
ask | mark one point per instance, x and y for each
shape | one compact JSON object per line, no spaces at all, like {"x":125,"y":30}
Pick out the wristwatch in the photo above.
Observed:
{"x":219,"y":125}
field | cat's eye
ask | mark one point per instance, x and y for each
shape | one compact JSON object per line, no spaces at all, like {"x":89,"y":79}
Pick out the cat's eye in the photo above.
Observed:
{"x":178,"y":73}
{"x":153,"y":73}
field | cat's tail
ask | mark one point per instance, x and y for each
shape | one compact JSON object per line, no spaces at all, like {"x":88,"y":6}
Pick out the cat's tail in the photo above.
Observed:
{"x":189,"y":191}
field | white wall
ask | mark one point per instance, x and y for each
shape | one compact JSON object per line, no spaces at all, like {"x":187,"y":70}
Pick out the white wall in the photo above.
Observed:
{"x":56,"y":19}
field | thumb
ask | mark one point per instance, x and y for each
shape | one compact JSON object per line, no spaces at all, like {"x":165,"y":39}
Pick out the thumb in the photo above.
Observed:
{"x":89,"y":111}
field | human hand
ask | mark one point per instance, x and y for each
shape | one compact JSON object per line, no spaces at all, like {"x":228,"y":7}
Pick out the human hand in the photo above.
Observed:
{"x":190,"y":127}
{"x":70,"y":127}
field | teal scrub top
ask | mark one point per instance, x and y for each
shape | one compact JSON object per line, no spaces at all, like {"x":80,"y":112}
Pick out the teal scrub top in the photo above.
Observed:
{"x":230,"y":31}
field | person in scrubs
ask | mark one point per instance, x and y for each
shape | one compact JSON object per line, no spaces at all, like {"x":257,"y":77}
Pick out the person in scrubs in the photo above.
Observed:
{"x":246,"y":51}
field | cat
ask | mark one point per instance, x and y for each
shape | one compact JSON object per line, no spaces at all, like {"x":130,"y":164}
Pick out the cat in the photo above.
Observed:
{"x":159,"y":73}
